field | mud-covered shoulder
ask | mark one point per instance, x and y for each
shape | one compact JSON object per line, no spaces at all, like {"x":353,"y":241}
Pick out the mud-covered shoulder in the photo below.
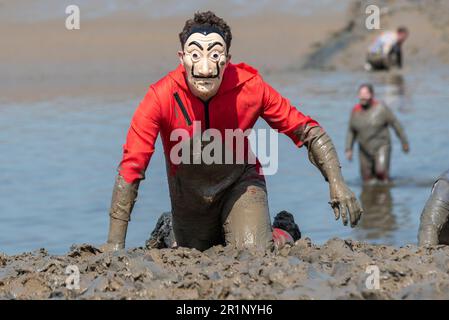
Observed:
{"x":444,"y":176}
{"x":384,"y":108}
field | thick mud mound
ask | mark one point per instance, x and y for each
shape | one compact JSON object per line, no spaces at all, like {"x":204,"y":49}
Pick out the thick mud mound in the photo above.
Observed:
{"x":335,"y":270}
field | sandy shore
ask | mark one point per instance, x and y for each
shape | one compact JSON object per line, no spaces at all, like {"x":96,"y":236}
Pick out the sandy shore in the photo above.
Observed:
{"x":335,"y":270}
{"x":123,"y":54}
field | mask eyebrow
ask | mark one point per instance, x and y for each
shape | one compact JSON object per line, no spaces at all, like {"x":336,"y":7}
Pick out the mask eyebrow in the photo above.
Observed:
{"x":197,"y":44}
{"x":210,"y":46}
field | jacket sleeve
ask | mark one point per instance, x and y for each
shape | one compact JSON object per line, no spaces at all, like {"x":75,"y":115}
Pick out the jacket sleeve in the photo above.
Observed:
{"x":141,"y":137}
{"x":282,"y":116}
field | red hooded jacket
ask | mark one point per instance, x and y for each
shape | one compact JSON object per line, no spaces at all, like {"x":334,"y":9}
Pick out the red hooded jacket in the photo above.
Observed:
{"x":242,"y":98}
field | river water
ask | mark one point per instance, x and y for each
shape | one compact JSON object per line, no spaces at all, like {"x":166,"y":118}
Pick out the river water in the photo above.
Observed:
{"x":59,"y":157}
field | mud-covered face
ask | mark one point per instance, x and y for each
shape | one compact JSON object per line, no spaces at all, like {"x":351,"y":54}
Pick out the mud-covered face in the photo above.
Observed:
{"x":365,"y":97}
{"x":204,"y":59}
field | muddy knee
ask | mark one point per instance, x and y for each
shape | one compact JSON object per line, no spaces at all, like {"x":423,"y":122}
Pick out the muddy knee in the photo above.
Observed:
{"x":366,"y":166}
{"x":246,"y":218}
{"x":382,"y":165}
{"x":433,"y":234}
{"x":378,"y":61}
{"x":433,"y":225}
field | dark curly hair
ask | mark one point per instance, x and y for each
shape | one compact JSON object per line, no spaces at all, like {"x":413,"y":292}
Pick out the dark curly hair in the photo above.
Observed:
{"x":208,"y":19}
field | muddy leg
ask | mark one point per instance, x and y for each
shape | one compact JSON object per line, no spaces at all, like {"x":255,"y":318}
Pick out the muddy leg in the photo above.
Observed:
{"x":378,"y":61}
{"x":366,"y":166}
{"x":246,"y":219}
{"x":162,"y":236}
{"x":200,"y":230}
{"x":435,"y":216}
{"x":198,"y":234}
{"x":382,"y":164}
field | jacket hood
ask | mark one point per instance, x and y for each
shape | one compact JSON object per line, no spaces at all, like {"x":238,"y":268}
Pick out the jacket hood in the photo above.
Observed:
{"x":234,"y":76}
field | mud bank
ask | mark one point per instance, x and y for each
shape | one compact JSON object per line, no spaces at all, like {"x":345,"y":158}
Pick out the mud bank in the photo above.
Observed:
{"x":335,"y":270}
{"x":345,"y":49}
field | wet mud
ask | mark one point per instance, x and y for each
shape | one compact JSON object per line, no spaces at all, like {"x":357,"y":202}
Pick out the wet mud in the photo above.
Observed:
{"x":335,"y":270}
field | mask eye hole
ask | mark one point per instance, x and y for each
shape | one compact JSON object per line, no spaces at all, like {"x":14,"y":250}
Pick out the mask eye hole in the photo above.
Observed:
{"x":215,"y":56}
{"x":195,"y":55}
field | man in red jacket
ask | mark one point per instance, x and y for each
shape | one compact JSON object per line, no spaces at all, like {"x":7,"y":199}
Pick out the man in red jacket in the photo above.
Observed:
{"x":216,"y":203}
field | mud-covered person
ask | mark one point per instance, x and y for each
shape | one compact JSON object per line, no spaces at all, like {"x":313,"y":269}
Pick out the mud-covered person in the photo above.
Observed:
{"x":369,"y":126}
{"x":216,"y":203}
{"x":386,"y":50}
{"x":434,"y":226}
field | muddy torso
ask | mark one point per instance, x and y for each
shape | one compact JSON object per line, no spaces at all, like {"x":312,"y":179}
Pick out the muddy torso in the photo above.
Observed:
{"x":183,"y":121}
{"x":197,"y":187}
{"x":371,"y":127}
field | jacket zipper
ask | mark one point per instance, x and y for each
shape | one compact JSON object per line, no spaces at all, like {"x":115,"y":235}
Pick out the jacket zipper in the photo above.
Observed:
{"x":183,"y":109}
{"x":206,"y":114}
{"x":186,"y":115}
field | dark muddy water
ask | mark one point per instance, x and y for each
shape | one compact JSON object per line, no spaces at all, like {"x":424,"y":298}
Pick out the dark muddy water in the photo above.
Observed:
{"x":58,"y":161}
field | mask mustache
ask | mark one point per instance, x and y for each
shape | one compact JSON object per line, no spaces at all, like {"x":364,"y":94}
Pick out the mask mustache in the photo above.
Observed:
{"x":207,"y":77}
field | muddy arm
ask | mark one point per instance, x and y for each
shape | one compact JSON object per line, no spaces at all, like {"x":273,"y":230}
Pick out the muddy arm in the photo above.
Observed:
{"x":399,"y":130}
{"x":138,"y":149}
{"x":350,"y":137}
{"x":434,"y":215}
{"x":124,"y":196}
{"x":322,"y":154}
{"x":303,"y":130}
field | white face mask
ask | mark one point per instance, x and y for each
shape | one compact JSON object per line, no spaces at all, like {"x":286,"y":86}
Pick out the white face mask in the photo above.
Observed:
{"x":204,"y":59}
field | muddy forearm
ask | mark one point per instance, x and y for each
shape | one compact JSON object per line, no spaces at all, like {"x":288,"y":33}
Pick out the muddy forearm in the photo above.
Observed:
{"x":124,"y":196}
{"x":398,"y":129}
{"x":400,"y":132}
{"x":434,"y":215}
{"x":350,"y":138}
{"x":322,"y":154}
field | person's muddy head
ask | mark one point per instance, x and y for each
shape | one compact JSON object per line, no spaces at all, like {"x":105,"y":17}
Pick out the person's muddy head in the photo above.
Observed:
{"x":366,"y":95}
{"x":205,"y":42}
{"x":402,"y":34}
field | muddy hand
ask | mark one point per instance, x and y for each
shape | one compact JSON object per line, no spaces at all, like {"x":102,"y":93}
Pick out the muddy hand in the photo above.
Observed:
{"x":109,"y":247}
{"x":345,"y":204}
{"x":405,"y":148}
{"x":348,"y":154}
